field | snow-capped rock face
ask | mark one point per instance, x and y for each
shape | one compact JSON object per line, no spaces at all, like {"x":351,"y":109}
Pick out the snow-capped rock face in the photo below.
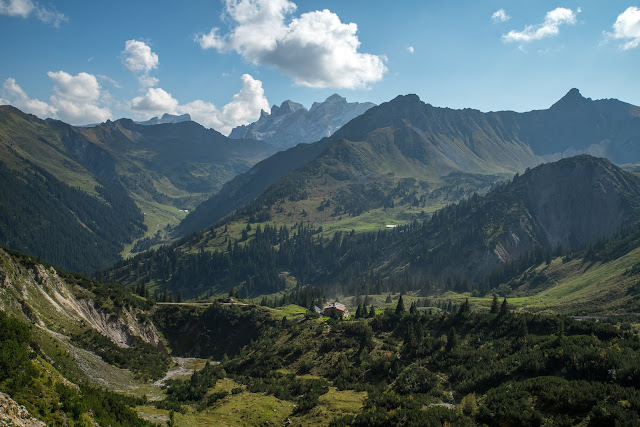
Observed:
{"x":166,"y":118}
{"x":291,"y":123}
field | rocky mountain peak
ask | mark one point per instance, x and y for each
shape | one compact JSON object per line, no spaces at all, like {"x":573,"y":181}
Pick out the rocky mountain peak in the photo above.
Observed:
{"x":572,"y":99}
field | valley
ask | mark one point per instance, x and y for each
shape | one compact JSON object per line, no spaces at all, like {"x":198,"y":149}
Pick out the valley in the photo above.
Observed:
{"x":454,"y":242}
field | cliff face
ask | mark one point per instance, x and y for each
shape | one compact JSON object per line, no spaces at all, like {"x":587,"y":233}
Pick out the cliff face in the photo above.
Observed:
{"x":53,"y":305}
{"x":292,"y":124}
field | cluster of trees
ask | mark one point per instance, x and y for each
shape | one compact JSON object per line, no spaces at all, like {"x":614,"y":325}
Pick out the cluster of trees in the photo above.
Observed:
{"x":142,"y":358}
{"x":65,"y":226}
{"x":498,"y":368}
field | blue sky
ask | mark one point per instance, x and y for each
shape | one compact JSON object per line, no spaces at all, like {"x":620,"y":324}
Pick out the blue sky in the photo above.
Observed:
{"x":223,"y":61}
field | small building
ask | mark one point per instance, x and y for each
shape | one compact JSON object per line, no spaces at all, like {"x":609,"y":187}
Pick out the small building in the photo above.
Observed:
{"x":335,"y":309}
{"x":317,"y":309}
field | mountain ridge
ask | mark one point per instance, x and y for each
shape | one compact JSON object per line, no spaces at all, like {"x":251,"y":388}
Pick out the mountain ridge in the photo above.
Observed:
{"x":291,"y":123}
{"x":495,"y":144}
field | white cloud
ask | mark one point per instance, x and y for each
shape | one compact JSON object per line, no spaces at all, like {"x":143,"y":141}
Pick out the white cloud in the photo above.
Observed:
{"x":26,"y":8}
{"x":155,"y":102}
{"x":410,"y":49}
{"x":18,"y":98}
{"x":139,"y":57}
{"x":549,"y":28}
{"x":500,"y":16}
{"x":76,"y":98}
{"x":243,"y":108}
{"x":82,"y":87}
{"x":315,"y":49}
{"x":140,"y":60}
{"x":627,"y":28}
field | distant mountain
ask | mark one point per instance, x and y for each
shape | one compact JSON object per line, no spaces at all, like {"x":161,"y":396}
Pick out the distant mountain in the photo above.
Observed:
{"x":292,"y":124}
{"x":574,"y":125}
{"x":75,"y":196}
{"x":166,"y":118}
{"x":400,"y":154}
{"x":408,"y":153}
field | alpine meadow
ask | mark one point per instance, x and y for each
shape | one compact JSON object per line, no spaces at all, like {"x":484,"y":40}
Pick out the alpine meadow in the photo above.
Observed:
{"x":320,"y":213}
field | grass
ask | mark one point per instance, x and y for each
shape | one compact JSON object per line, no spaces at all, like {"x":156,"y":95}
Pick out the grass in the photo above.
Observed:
{"x":330,"y":405}
{"x":243,"y":409}
{"x":289,"y":311}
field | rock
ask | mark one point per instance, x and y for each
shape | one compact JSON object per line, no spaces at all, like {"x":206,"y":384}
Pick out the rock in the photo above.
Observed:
{"x":13,"y":414}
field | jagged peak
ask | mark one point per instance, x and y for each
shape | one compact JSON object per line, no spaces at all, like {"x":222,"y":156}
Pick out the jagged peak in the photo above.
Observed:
{"x":286,"y":107}
{"x":335,"y":98}
{"x":572,"y":98}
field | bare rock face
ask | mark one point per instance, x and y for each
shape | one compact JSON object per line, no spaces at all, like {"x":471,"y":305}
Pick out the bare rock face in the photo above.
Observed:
{"x":12,"y":414}
{"x":49,"y":301}
{"x":291,"y":124}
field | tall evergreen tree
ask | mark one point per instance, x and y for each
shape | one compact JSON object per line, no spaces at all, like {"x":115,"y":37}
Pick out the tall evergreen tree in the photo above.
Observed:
{"x":494,"y":304}
{"x":400,"y":306}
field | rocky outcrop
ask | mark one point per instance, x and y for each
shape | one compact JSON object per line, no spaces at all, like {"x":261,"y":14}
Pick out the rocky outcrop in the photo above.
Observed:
{"x":12,"y":414}
{"x":292,"y":124}
{"x":47,"y":300}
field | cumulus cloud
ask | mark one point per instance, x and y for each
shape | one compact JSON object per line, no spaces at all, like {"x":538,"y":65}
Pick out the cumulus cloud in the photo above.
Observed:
{"x":138,"y":58}
{"x":549,"y":28}
{"x":27,"y":8}
{"x":315,"y":49}
{"x":156,"y":101}
{"x":18,"y":98}
{"x":244,"y":107}
{"x":500,"y":16}
{"x":410,"y":49}
{"x":627,"y":28}
{"x":77,"y":98}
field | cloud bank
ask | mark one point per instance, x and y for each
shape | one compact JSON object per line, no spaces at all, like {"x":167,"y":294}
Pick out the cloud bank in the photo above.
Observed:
{"x":245,"y":106}
{"x":315,"y":49}
{"x":76,"y":99}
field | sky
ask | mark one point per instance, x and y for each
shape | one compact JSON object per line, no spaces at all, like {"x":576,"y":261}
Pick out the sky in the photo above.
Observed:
{"x":223,"y":61}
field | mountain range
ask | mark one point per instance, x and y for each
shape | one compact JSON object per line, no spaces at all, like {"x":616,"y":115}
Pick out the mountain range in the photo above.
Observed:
{"x":415,"y":157}
{"x":292,"y":124}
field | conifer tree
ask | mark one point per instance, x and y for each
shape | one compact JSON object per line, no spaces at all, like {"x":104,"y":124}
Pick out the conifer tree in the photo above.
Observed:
{"x":494,"y":304}
{"x":400,"y":306}
{"x":504,"y":308}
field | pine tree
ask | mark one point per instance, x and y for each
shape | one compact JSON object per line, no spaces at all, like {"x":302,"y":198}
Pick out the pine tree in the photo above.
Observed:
{"x":372,"y":311}
{"x":400,"y":306}
{"x":413,"y":308}
{"x":358,"y":312}
{"x":504,"y":308}
{"x":494,"y":304}
{"x":452,"y":338}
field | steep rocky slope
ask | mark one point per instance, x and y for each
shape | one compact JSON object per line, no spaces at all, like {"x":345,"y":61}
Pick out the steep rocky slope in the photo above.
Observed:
{"x":57,"y":306}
